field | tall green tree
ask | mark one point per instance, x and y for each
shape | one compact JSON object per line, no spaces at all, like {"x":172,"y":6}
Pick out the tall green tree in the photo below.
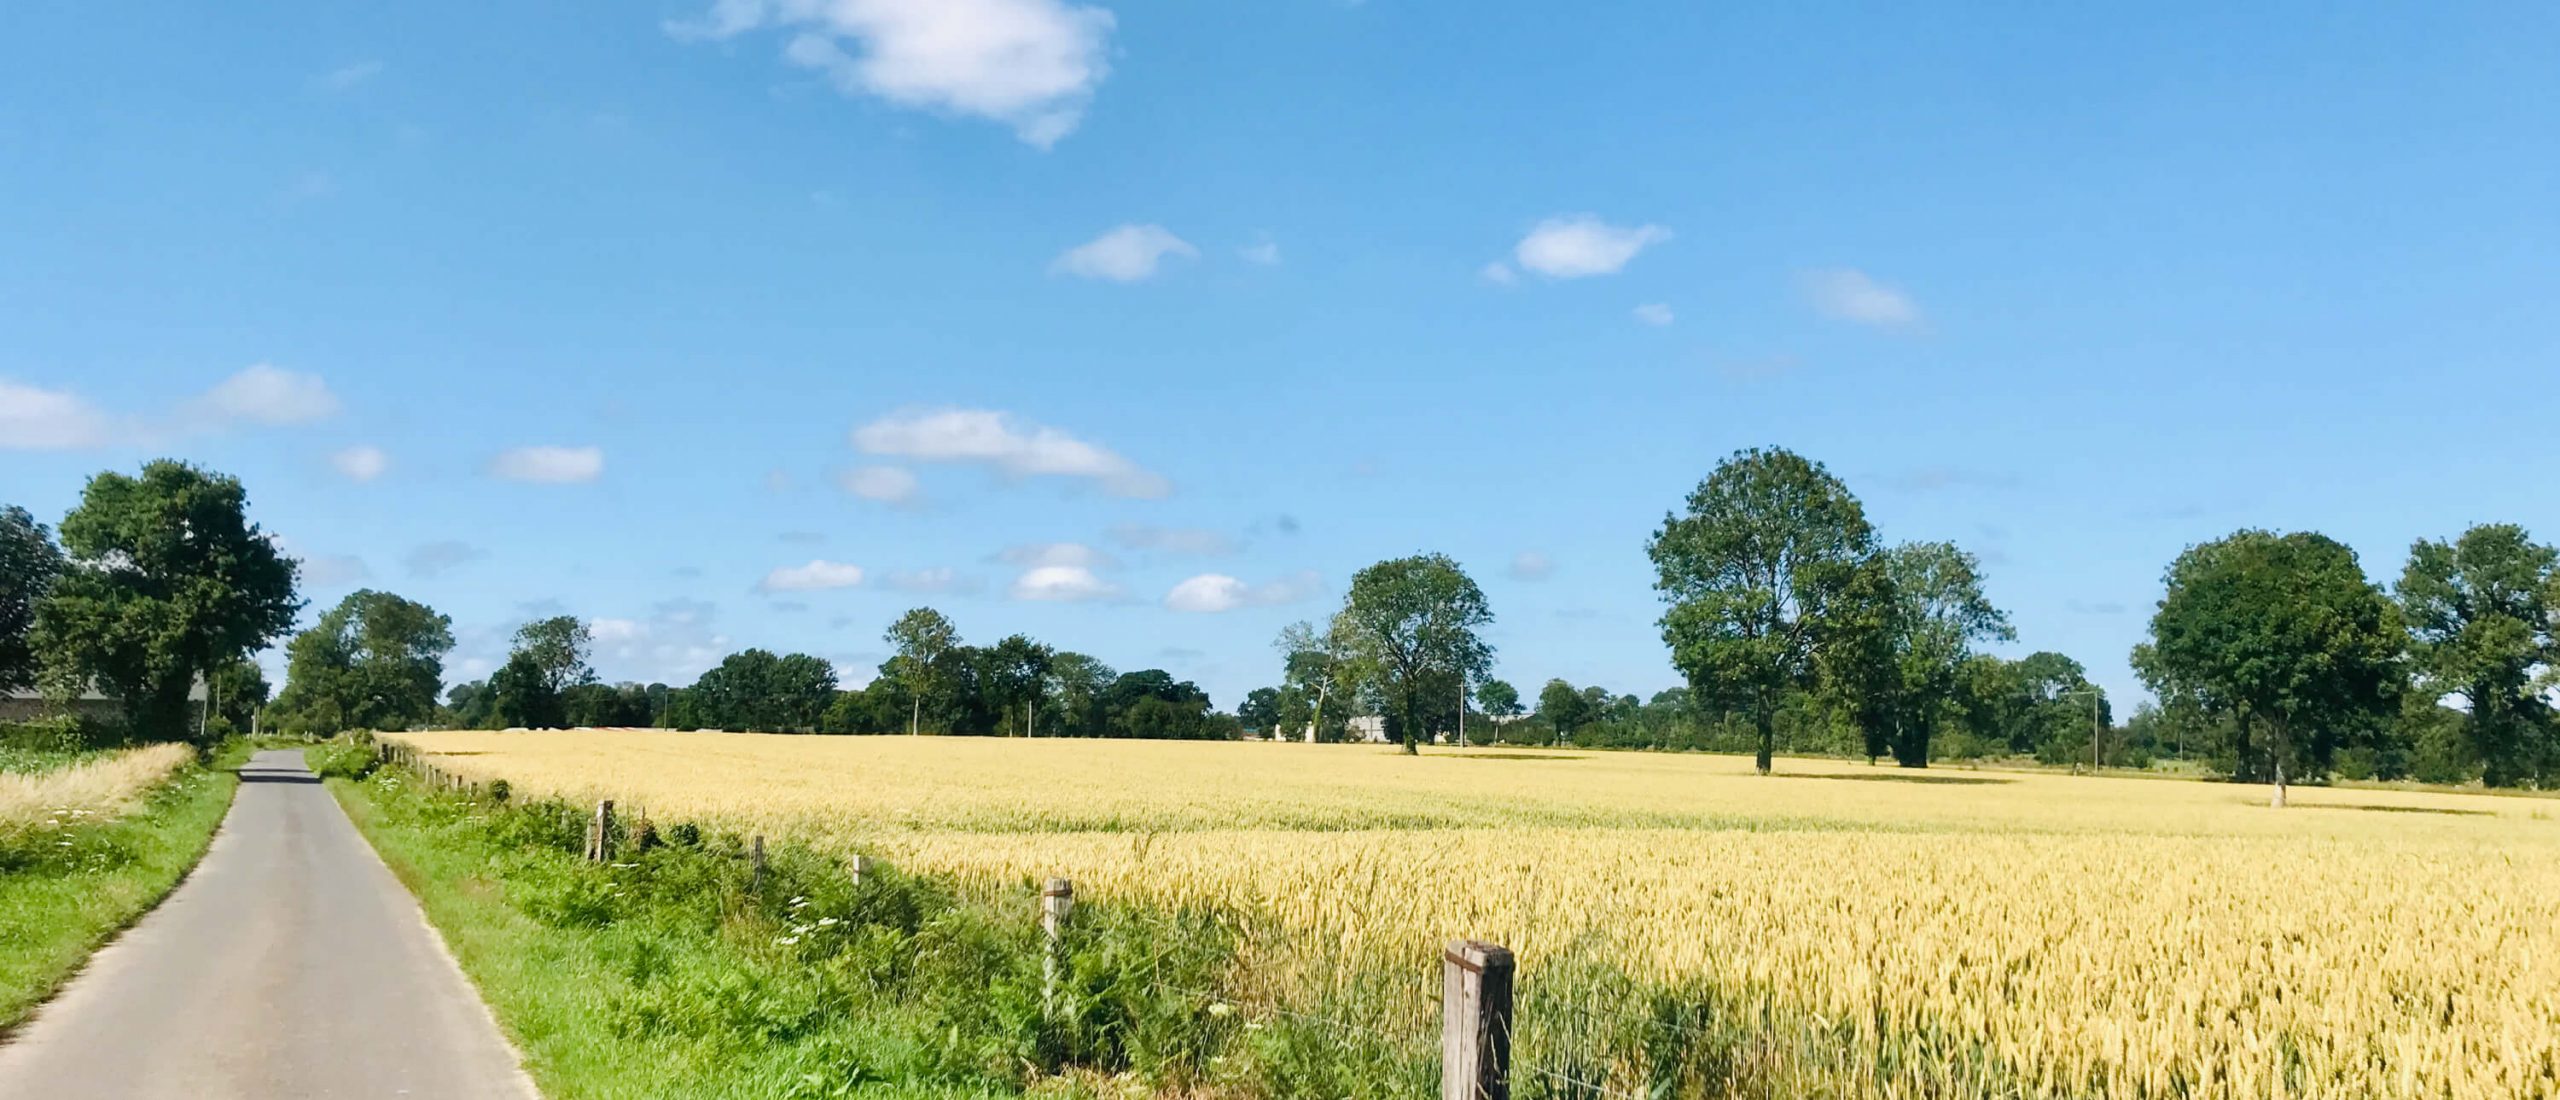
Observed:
{"x":374,"y":662}
{"x":1936,"y":613}
{"x":1017,"y":675}
{"x":238,"y":690}
{"x":1413,"y":622}
{"x":29,"y":562}
{"x":1564,"y":709}
{"x":1498,"y":698}
{"x":1760,"y":573}
{"x":2481,"y":612}
{"x":168,"y":580}
{"x":2284,"y":633}
{"x":1260,"y":711}
{"x":1074,"y":693}
{"x":1314,"y":671}
{"x":550,"y":657}
{"x":921,"y":637}
{"x":756,"y":689}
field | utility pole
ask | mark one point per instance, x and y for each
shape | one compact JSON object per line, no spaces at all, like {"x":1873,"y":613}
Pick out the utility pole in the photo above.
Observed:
{"x":1462,"y":710}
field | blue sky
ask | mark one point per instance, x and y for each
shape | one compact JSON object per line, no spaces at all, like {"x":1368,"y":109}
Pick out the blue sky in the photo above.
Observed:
{"x":1039,"y":311}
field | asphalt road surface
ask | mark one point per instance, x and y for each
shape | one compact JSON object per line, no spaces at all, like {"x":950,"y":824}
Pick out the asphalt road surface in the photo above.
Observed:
{"x":290,"y":965}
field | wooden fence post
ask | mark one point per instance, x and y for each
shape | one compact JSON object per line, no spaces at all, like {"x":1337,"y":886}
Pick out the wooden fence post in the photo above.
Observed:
{"x":755,"y":879}
{"x":600,"y":833}
{"x":1475,"y":1021}
{"x":860,"y":866}
{"x":1057,"y":900}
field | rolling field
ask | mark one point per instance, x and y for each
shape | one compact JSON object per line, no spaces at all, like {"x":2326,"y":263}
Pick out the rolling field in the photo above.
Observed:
{"x":1835,"y":929}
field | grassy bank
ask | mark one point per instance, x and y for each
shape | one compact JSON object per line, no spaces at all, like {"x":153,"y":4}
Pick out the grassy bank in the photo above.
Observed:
{"x":68,"y":883}
{"x":673,"y":973}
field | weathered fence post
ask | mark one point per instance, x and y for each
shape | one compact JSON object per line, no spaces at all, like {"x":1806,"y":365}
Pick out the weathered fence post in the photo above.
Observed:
{"x":600,"y":833}
{"x":755,"y":878}
{"x":860,"y":866}
{"x":1475,"y":1021}
{"x":1057,"y":900}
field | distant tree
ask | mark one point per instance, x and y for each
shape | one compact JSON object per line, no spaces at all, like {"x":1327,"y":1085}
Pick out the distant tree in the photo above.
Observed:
{"x":1016,"y":676}
{"x":1498,"y":698}
{"x":1150,"y":703}
{"x":374,"y":662}
{"x":549,"y":658}
{"x":1935,"y":613}
{"x":1077,"y":682}
{"x":237,"y":691}
{"x":921,"y":637}
{"x":1314,"y":670}
{"x":1755,"y":571}
{"x":755,"y":689}
{"x":605,"y":705}
{"x":1260,"y":711}
{"x":2482,"y":613}
{"x":2284,"y":633}
{"x":470,"y":705}
{"x":28,"y":564}
{"x":1564,"y":709}
{"x":168,"y":580}
{"x":1413,"y":621}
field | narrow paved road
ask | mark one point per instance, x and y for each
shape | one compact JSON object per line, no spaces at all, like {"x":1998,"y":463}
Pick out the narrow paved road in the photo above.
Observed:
{"x":290,"y":965}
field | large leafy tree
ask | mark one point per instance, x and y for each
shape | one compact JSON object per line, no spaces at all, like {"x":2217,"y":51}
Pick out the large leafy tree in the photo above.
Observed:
{"x":550,"y":657}
{"x":168,"y":580}
{"x":1498,"y":698}
{"x":2480,"y":613}
{"x":28,"y":564}
{"x":1564,"y":709}
{"x":375,"y":661}
{"x":756,"y":689}
{"x":1934,"y":613}
{"x":1315,"y":677}
{"x":922,"y":638}
{"x":1150,"y":703}
{"x":1016,"y":676}
{"x":1074,"y":693}
{"x":1412,"y":622}
{"x":1761,"y":573}
{"x":2284,"y":633}
{"x":1260,"y":711}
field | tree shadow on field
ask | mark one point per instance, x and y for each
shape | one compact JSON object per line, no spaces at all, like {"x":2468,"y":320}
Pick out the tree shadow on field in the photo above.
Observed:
{"x":2386,"y":809}
{"x":1891,"y":777}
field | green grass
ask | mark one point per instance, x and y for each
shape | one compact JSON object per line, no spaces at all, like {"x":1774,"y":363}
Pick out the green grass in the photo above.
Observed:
{"x":666,"y":975}
{"x":60,"y":902}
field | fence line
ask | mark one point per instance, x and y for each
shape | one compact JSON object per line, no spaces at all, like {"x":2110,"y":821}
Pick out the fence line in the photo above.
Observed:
{"x":1474,"y":985}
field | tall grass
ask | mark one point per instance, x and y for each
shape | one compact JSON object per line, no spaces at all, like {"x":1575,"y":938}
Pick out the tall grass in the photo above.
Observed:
{"x":100,"y":787}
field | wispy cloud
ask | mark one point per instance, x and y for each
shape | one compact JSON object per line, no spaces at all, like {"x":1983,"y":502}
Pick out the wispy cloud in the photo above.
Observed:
{"x":1211,"y":593}
{"x":34,"y":418}
{"x":347,"y":77}
{"x":360,"y":463}
{"x":1530,"y":565}
{"x":1577,"y":246}
{"x":1062,"y":584}
{"x":549,"y":465}
{"x":1173,"y":540}
{"x":1126,"y":254}
{"x":886,"y":484}
{"x":1005,"y":444}
{"x":1654,"y":313}
{"x":435,"y":559}
{"x":818,"y":575}
{"x":1847,"y":294}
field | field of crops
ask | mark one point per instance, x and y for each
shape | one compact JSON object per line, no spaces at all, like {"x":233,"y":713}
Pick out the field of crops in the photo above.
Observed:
{"x":1842,"y":930}
{"x":85,"y":791}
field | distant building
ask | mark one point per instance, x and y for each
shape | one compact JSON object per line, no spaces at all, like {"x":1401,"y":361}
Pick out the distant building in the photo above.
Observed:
{"x":23,"y":704}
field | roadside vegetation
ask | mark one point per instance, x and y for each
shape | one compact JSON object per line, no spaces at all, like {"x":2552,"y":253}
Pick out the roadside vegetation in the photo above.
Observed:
{"x":90,"y":839}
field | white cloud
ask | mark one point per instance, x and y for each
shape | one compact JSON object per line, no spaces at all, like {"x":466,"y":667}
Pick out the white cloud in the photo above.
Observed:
{"x":361,"y":463}
{"x":886,"y":484}
{"x":1210,"y":593}
{"x":818,"y":575}
{"x":1031,"y":64}
{"x":1070,"y":554}
{"x":1530,"y":565}
{"x":1062,"y":584}
{"x":1206,"y":593}
{"x":1265,"y":252}
{"x":549,"y":465}
{"x":995,"y":440}
{"x":345,"y":77}
{"x":1498,"y":273}
{"x":322,"y":570}
{"x":673,"y":645}
{"x":1173,"y":540}
{"x":1123,"y":255}
{"x":1578,"y":245}
{"x":33,"y":418}
{"x":1847,"y":294}
{"x":36,"y":419}
{"x":1654,"y":313}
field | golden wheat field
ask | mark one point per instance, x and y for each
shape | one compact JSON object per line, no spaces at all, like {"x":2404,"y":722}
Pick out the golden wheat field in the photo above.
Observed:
{"x":100,"y":788}
{"x":1937,"y":933}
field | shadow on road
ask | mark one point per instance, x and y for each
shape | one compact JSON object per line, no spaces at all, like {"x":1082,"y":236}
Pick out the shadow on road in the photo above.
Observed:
{"x":276,"y":775}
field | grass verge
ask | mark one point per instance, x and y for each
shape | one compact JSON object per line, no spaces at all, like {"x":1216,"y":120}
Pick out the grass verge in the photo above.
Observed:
{"x":64,"y":892}
{"x":676,"y":972}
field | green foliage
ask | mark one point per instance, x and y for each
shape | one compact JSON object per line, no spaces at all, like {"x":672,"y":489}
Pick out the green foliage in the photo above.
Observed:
{"x":2484,"y":619}
{"x":169,"y":580}
{"x":1410,"y":625}
{"x":549,"y":659}
{"x":805,"y":981}
{"x":375,"y":661}
{"x":922,"y":638}
{"x":757,"y":690}
{"x":1564,"y":709}
{"x":1499,"y":699}
{"x":2284,"y":634}
{"x":351,"y":755}
{"x":1761,"y":574}
{"x":28,"y":564}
